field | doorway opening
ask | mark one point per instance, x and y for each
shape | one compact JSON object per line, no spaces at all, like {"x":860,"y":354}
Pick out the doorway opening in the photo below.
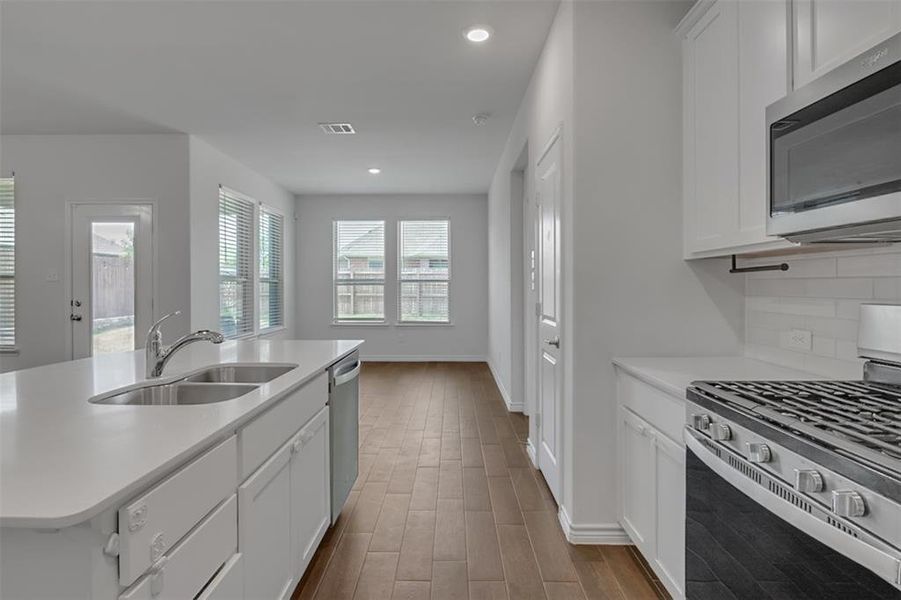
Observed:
{"x":110,"y":277}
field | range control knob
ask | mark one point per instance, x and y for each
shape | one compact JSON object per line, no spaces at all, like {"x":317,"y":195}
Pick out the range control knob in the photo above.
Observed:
{"x":759,"y":453}
{"x":701,"y":422}
{"x":808,"y":481}
{"x":848,"y":503}
{"x":720,"y":432}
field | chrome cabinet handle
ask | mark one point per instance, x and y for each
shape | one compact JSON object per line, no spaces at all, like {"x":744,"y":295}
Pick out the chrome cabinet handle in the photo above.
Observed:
{"x":554,"y":342}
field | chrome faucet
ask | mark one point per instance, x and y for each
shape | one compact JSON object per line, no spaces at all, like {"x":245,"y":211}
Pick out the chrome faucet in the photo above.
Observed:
{"x":156,"y":355}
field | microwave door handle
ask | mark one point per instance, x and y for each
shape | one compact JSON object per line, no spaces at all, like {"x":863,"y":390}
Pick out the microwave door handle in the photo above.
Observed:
{"x":883,"y":564}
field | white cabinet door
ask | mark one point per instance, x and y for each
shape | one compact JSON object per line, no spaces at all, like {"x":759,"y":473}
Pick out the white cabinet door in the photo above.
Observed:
{"x":637,"y":464}
{"x":264,"y":535}
{"x":735,"y":64}
{"x":827,"y":33}
{"x":762,"y":79}
{"x":710,"y":53}
{"x":310,"y":490}
{"x":669,"y":475}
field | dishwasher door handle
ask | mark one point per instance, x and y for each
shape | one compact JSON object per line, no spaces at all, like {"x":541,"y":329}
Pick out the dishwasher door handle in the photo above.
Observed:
{"x":346,"y":376}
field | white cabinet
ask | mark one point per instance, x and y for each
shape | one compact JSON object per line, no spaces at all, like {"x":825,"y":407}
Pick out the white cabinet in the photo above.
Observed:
{"x":735,"y":63}
{"x":636,"y":463}
{"x":669,"y":509}
{"x":284,"y":511}
{"x":310,"y":490}
{"x":652,"y":478}
{"x":264,"y":535}
{"x":827,"y":33}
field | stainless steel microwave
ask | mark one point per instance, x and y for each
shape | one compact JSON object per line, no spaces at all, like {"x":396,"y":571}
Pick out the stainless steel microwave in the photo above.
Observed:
{"x":834,"y":153}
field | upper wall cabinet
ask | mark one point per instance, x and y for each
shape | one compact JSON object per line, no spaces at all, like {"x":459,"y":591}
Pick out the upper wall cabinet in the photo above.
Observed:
{"x":739,"y":57}
{"x":735,"y":63}
{"x":826,"y":33}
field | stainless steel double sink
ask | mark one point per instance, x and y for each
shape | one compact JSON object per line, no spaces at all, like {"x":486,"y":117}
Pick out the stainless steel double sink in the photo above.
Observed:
{"x":212,"y":384}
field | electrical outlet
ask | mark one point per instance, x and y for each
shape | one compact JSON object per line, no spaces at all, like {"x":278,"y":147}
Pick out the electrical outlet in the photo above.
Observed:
{"x":799,"y":339}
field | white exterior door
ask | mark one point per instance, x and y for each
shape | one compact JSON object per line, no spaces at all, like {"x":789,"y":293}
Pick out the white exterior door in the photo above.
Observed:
{"x":549,"y":188}
{"x":111,"y":276}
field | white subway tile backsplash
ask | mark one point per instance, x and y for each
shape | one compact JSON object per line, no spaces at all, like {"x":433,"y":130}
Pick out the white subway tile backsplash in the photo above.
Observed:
{"x":838,"y":288}
{"x":823,"y":346}
{"x":848,"y":309}
{"x":888,"y":288}
{"x":820,"y":293}
{"x":846,"y":350}
{"x":874,"y":265}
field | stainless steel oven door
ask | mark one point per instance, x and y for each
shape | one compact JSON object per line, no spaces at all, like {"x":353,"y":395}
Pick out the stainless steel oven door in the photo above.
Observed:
{"x":749,"y":536}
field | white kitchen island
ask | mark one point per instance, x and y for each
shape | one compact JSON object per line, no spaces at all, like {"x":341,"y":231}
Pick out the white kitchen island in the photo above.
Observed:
{"x":220,"y":500}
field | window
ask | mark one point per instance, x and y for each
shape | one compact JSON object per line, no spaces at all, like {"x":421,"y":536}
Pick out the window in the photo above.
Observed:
{"x":424,"y":273}
{"x":236,"y":299}
{"x":359,"y":270}
{"x":271,"y":287}
{"x":7,"y":264}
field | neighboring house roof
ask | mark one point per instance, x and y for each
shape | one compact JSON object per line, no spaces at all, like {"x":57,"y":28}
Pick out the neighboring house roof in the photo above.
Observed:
{"x":106,"y":246}
{"x":368,"y":244}
{"x":419,"y":243}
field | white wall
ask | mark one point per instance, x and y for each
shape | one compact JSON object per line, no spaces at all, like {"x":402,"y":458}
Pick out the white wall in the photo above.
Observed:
{"x":546,"y":105}
{"x":820,"y":293}
{"x":610,"y":73}
{"x":633,"y":294}
{"x":208,"y":168}
{"x":465,"y":339}
{"x":52,"y":170}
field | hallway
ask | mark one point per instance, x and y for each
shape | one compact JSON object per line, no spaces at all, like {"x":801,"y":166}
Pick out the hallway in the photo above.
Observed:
{"x":447,"y":504}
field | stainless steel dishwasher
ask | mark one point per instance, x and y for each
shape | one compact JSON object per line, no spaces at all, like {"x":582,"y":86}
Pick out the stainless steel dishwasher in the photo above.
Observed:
{"x":344,"y":428}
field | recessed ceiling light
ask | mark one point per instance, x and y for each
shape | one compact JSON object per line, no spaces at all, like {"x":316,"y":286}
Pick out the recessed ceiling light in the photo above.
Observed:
{"x":374,"y":170}
{"x":478,"y":33}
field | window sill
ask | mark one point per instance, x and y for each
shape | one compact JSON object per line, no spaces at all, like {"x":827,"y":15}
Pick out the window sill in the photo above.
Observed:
{"x":360,"y":324}
{"x":271,"y":331}
{"x":9,"y":351}
{"x":425,"y":323}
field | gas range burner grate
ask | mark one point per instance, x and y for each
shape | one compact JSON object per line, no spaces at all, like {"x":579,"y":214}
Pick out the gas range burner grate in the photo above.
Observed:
{"x":858,"y":418}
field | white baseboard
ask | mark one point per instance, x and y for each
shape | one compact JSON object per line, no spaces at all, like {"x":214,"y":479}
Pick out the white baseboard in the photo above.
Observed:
{"x":505,"y":394}
{"x":422,"y":358}
{"x":593,"y":533}
{"x":532,"y":452}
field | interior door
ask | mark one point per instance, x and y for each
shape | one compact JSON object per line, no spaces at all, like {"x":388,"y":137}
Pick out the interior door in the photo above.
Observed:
{"x":549,"y":188}
{"x":111,"y":277}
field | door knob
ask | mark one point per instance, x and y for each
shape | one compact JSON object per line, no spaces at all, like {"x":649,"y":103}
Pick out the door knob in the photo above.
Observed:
{"x":75,"y":317}
{"x":554,"y":342}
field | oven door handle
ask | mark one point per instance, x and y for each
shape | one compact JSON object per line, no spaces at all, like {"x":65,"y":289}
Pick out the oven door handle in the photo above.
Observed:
{"x":884,"y":565}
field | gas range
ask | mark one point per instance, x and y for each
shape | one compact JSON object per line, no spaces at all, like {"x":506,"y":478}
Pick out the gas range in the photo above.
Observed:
{"x":823,"y":458}
{"x":850,"y":427}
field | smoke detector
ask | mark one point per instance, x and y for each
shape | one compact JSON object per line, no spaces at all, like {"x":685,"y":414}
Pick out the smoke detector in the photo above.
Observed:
{"x":337,"y":128}
{"x":480,"y":119}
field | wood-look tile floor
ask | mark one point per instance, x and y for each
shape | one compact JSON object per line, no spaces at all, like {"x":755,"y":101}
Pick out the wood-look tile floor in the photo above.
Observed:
{"x":448,"y":506}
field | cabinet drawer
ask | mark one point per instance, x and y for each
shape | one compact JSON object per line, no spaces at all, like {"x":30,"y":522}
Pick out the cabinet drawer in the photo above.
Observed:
{"x":228,"y":584}
{"x":663,"y":411}
{"x":263,"y":436}
{"x":193,"y":561}
{"x":151,"y":524}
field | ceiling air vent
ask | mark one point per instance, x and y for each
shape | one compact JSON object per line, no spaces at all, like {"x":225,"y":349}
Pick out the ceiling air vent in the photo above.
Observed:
{"x":337,"y":128}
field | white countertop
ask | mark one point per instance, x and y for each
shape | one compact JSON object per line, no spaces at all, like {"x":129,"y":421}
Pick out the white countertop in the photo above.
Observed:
{"x":64,"y":460}
{"x":674,"y":374}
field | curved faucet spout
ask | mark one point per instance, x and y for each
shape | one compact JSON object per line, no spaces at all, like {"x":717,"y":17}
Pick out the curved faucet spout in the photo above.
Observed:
{"x":156,"y":356}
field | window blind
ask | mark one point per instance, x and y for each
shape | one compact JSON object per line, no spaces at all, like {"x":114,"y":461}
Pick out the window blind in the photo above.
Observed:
{"x":235,"y":270}
{"x":424,"y":271}
{"x":359,"y":270}
{"x":7,"y":263}
{"x":272,"y":227}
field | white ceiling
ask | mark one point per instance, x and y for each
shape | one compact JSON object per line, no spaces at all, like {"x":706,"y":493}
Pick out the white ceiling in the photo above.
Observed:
{"x":254,"y":77}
